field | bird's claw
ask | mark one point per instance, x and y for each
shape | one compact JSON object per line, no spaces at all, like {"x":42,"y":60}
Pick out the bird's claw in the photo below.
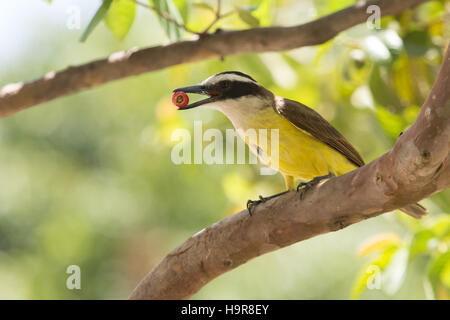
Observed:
{"x":253,"y":203}
{"x":303,"y":187}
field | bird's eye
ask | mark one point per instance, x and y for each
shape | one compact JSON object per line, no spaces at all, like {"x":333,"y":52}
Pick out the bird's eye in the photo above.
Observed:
{"x":225,"y":84}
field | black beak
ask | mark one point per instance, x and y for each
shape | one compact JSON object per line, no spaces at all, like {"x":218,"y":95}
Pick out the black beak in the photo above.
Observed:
{"x":196,"y":89}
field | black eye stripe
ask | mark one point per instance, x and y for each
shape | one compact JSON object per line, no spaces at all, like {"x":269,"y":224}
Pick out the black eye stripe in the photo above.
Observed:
{"x":237,"y":89}
{"x":225,"y":84}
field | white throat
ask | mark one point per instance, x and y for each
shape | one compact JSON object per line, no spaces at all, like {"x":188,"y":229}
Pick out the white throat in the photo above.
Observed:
{"x":240,"y":110}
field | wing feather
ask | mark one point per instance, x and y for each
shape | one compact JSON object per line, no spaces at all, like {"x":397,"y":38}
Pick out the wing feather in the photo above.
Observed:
{"x":310,"y":121}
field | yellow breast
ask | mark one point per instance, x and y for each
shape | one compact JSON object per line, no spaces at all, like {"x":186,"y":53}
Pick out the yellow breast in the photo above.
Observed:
{"x":300,"y":155}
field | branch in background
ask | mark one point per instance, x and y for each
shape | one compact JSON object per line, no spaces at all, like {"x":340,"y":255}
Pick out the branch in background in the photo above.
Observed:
{"x":204,"y":32}
{"x":19,"y":96}
{"x":218,"y":17}
{"x":165,"y":16}
{"x":417,"y":166}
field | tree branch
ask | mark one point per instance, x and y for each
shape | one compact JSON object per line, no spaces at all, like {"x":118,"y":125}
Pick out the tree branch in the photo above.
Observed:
{"x":417,"y":166}
{"x":218,"y":17}
{"x":165,"y":16}
{"x":19,"y":96}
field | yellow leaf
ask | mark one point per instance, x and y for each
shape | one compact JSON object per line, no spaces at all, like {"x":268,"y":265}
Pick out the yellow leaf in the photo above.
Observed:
{"x":377,"y":243}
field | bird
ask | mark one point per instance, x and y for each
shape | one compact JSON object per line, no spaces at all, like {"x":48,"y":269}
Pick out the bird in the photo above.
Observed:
{"x":310,"y":148}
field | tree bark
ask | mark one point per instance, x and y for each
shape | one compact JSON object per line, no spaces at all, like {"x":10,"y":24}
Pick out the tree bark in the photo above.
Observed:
{"x":416,"y":167}
{"x":19,"y":96}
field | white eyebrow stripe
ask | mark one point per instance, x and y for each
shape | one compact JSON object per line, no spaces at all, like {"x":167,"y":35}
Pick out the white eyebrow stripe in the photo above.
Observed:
{"x":226,"y":76}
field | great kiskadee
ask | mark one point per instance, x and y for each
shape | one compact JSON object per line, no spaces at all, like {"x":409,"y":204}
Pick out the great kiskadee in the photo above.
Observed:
{"x":310,"y":148}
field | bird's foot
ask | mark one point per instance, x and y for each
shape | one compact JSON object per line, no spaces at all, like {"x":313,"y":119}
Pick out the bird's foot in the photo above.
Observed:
{"x":303,"y":187}
{"x":253,"y":203}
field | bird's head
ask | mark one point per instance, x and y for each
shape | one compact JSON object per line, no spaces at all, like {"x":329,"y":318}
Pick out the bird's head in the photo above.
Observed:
{"x":223,"y":89}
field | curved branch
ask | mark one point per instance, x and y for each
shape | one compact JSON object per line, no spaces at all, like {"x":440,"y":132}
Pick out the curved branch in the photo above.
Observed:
{"x":19,"y":96}
{"x":417,"y":166}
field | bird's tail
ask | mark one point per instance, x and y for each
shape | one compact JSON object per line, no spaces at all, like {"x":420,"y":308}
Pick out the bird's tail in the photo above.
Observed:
{"x":415,"y":210}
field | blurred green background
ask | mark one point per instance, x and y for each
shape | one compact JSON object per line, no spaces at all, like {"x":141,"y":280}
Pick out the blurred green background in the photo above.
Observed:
{"x":88,"y":180}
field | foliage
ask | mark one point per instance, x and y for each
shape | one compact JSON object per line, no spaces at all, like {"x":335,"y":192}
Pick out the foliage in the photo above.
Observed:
{"x":428,"y":240}
{"x":99,"y":15}
{"x":172,"y":15}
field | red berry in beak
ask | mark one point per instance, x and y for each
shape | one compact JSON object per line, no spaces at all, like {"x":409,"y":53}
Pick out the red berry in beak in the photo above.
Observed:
{"x":180,"y":99}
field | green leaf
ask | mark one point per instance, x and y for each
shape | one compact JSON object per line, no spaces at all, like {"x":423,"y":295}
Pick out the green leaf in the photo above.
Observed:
{"x":431,"y":11}
{"x":392,"y":123}
{"x":402,"y":80}
{"x":395,"y":271}
{"x":378,"y":242}
{"x":120,"y":17}
{"x":416,"y":43}
{"x":182,"y":7}
{"x":445,"y":274}
{"x":382,"y":89}
{"x":419,"y":243}
{"x":442,"y":226}
{"x":99,"y":15}
{"x":263,"y":13}
{"x":202,"y":5}
{"x":410,"y":113}
{"x":438,"y":268}
{"x":247,"y":17}
{"x":325,"y":6}
{"x":172,"y":31}
{"x":362,"y":280}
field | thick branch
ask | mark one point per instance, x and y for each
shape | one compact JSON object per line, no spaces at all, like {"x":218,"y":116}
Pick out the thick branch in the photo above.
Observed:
{"x":19,"y":96}
{"x":417,"y":166}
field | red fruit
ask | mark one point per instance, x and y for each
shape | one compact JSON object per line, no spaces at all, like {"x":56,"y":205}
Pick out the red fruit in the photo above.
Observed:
{"x":180,"y":99}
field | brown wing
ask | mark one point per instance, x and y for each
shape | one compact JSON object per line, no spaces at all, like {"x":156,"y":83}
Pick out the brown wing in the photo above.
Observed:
{"x":310,"y":121}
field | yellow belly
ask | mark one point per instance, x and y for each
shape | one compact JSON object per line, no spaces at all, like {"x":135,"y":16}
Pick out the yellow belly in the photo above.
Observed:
{"x":301,"y":156}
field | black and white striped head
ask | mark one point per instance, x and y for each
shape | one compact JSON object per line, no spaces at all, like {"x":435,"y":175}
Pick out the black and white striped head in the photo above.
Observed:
{"x":223,"y":87}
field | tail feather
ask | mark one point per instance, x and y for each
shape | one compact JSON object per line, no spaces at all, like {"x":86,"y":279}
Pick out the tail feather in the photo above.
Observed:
{"x":415,"y":210}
